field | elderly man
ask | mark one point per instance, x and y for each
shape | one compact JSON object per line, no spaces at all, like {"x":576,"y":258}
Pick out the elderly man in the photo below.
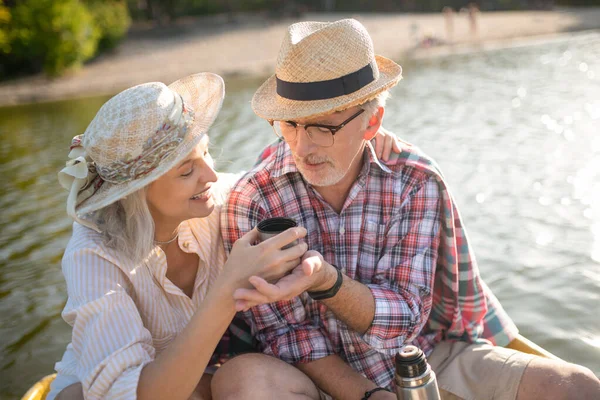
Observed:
{"x":388,"y":261}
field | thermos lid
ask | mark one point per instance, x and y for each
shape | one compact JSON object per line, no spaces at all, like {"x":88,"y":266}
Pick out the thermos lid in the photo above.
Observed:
{"x":411,"y":362}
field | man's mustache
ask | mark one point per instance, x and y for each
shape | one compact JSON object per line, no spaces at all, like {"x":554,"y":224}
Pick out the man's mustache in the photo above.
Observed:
{"x":314,"y":159}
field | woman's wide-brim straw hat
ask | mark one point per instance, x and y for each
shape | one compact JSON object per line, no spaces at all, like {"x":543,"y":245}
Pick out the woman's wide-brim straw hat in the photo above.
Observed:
{"x":135,"y":138}
{"x":324,"y":67}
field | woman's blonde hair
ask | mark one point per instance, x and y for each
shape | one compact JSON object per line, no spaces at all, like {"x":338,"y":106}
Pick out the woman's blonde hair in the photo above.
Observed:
{"x":127,"y":226}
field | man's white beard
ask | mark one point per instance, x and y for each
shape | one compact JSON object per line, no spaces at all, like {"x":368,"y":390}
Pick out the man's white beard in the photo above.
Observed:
{"x":331,"y":177}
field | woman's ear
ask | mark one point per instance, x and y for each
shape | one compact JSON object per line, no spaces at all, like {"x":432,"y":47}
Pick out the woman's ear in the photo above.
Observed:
{"x":374,"y":124}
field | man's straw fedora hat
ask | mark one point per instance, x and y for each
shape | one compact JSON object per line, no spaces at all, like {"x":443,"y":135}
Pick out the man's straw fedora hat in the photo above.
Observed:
{"x":324,"y":67}
{"x":135,"y":138}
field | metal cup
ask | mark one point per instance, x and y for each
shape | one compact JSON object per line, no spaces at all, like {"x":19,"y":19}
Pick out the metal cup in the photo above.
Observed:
{"x":273,"y":226}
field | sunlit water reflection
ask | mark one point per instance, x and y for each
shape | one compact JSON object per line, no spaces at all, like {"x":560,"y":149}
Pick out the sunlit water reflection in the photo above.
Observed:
{"x":515,"y":132}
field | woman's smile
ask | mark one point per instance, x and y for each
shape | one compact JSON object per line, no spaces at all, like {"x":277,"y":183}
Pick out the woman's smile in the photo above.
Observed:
{"x":204,"y":195}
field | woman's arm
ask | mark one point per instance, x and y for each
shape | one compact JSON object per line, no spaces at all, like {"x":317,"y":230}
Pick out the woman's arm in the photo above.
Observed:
{"x":175,"y":373}
{"x":114,"y":351}
{"x":115,"y":357}
{"x":178,"y":369}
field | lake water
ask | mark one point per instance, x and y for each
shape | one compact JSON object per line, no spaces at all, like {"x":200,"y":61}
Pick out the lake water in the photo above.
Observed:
{"x":515,"y":132}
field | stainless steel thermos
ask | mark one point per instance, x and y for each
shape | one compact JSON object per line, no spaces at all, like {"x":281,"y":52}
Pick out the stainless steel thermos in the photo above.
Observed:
{"x":414,"y":378}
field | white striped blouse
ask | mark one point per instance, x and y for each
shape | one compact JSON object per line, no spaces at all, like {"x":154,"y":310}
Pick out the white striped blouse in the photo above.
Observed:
{"x":124,"y":315}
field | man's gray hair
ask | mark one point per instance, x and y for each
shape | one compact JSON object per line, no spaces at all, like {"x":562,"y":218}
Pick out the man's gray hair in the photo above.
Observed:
{"x":372,"y":106}
{"x":127,"y":226}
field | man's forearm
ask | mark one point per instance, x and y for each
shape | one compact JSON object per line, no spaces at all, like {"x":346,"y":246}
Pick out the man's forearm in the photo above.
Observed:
{"x":353,"y":304}
{"x":339,"y":380}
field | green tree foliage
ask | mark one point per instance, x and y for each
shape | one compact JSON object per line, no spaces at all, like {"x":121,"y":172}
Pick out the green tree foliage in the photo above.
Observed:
{"x":4,"y":21}
{"x":57,"y":35}
{"x":112,"y":19}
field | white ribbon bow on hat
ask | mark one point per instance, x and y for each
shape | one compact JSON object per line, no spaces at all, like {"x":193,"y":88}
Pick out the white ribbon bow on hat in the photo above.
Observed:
{"x":76,"y":177}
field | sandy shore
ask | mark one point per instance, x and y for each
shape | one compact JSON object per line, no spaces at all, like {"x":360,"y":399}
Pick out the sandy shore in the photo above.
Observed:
{"x":249,"y":46}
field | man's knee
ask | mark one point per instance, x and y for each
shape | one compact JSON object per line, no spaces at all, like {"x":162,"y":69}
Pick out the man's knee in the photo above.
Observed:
{"x":583,"y":383}
{"x":557,"y":380}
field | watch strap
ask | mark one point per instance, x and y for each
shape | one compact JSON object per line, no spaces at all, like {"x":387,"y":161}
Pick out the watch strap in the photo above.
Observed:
{"x":368,"y":393}
{"x":329,"y":293}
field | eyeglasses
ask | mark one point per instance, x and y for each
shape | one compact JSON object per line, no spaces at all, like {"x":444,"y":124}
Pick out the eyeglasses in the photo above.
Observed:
{"x":319,"y":134}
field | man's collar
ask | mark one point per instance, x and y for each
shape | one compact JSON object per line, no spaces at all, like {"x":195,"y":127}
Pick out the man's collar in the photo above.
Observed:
{"x":284,"y":161}
{"x":373,"y":158}
{"x":285,"y":164}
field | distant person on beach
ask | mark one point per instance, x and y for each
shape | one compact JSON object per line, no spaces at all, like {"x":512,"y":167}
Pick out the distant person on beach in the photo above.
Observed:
{"x":449,"y":22}
{"x":473,"y":20}
{"x":388,"y":261}
{"x":150,"y":291}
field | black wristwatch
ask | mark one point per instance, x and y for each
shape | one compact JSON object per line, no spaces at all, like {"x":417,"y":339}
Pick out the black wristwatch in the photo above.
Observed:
{"x":329,"y":293}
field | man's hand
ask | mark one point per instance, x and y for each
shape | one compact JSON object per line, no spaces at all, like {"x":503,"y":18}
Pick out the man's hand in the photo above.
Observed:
{"x":313,"y":274}
{"x":324,"y":274}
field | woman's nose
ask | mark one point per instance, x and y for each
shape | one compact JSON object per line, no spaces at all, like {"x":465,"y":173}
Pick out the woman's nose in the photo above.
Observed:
{"x":208,"y":172}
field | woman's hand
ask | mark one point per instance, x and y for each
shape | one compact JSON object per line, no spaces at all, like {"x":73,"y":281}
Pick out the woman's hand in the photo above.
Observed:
{"x":311,"y":274}
{"x":265,"y":260}
{"x":385,"y":142}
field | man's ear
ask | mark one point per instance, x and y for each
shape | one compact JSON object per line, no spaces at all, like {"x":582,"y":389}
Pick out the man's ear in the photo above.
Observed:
{"x":374,"y":124}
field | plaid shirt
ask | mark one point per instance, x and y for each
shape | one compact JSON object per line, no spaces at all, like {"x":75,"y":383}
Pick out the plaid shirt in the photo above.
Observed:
{"x":398,"y":233}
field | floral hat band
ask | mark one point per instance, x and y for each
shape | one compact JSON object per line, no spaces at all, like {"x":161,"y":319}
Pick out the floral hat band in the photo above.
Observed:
{"x":158,"y":146}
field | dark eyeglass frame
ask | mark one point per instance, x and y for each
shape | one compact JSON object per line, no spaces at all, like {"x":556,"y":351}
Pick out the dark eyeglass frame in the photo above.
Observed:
{"x":332,"y":128}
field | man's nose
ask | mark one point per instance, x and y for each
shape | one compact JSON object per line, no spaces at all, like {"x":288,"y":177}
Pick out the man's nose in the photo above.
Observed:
{"x":304,"y":146}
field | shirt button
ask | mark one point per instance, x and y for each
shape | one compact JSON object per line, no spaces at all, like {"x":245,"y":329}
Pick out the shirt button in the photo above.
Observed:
{"x":186,"y":244}
{"x":351,"y":349}
{"x":342,"y":230}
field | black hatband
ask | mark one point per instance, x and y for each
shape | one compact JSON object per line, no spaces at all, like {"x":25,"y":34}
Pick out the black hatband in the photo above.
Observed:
{"x":326,"y":89}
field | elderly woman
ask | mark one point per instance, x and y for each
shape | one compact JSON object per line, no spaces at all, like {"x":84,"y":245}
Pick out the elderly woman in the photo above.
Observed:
{"x":150,"y":292}
{"x":147,"y":249}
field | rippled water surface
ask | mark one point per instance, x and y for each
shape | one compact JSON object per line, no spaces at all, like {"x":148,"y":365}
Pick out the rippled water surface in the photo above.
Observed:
{"x":516,"y":132}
